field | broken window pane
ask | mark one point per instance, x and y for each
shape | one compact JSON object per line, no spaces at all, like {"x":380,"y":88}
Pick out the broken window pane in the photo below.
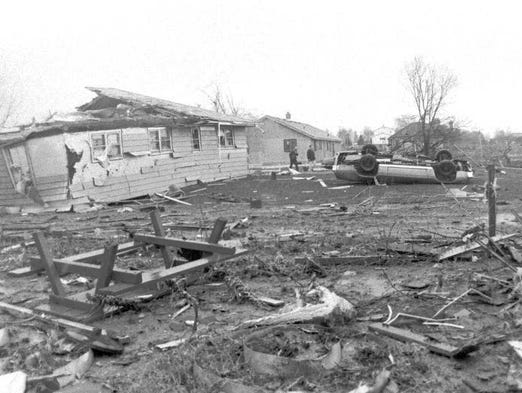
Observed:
{"x":229,"y":134}
{"x":106,"y":143}
{"x":165,"y":140}
{"x":196,"y":139}
{"x":226,"y":137}
{"x":159,"y":139}
{"x":98,"y":144}
{"x":113,"y":141}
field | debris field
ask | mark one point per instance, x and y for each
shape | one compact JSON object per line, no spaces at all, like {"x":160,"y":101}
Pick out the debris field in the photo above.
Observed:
{"x":282,"y":283}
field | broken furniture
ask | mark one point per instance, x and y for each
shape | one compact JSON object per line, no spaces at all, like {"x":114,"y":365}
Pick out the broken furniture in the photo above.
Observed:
{"x":93,"y":304}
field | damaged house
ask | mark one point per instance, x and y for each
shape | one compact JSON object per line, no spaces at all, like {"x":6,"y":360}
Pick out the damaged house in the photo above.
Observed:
{"x":120,"y":145}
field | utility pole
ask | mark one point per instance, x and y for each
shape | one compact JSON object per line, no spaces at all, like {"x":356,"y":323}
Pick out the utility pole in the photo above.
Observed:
{"x":492,"y":200}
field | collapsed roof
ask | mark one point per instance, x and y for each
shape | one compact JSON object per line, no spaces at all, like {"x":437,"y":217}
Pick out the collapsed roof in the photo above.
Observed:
{"x":115,"y":108}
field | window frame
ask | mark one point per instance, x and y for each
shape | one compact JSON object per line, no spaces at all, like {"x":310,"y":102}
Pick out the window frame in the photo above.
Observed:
{"x":198,"y":130}
{"x":162,"y":149}
{"x":224,"y":131}
{"x":105,"y":134}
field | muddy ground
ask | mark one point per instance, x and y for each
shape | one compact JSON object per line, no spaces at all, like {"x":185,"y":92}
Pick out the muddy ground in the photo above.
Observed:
{"x":363,"y":220}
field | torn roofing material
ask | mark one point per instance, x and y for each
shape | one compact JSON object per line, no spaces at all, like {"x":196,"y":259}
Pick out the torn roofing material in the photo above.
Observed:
{"x":108,"y":97}
{"x":88,"y":124}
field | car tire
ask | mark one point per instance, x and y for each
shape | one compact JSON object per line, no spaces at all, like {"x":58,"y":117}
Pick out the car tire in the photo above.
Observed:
{"x":367,"y":165}
{"x":443,"y":155}
{"x":369,"y":149}
{"x":445,"y":171}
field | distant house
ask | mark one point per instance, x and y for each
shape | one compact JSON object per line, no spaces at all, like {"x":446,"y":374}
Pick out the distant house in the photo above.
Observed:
{"x":462,"y":143}
{"x":381,"y":137}
{"x":273,"y":138}
{"x":410,"y":138}
{"x":120,"y":145}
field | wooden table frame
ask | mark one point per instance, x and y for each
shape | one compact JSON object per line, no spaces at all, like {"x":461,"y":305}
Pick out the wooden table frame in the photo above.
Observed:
{"x":100,"y":264}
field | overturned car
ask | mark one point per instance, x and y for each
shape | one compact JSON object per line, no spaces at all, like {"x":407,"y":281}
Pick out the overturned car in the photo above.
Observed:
{"x":370,"y":166}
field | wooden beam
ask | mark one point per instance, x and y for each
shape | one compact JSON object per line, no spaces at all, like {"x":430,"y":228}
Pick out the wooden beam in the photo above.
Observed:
{"x":72,"y":303}
{"x":65,"y":266}
{"x":95,"y":256}
{"x":219,"y":227}
{"x":452,"y":252}
{"x":65,"y":323}
{"x":155,"y":217}
{"x":106,"y":268}
{"x":492,"y":201}
{"x":409,"y":336}
{"x":173,"y":199}
{"x":180,"y":243}
{"x":92,"y":257}
{"x":152,"y":278}
{"x":52,"y":273}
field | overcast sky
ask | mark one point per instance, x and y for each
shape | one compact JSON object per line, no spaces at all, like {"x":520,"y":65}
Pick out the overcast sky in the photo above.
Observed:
{"x":329,"y":63}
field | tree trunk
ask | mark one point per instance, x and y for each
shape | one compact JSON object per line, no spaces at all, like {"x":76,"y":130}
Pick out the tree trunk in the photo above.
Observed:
{"x":426,"y":135}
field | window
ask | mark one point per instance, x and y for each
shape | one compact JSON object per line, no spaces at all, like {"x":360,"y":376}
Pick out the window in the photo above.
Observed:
{"x":289,"y":144}
{"x":106,"y":143}
{"x":318,"y":145}
{"x":226,"y":137}
{"x":196,"y":139}
{"x":159,"y":139}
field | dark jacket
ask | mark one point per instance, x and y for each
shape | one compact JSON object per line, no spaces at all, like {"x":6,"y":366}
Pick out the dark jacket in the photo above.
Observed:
{"x":293,"y":155}
{"x":310,"y":154}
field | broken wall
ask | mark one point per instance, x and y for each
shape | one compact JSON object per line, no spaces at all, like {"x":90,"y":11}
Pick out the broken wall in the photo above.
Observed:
{"x":139,"y":171}
{"x":49,"y":165}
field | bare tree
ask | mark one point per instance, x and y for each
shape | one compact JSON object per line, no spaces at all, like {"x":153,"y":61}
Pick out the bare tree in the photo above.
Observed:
{"x":344,"y":135}
{"x":429,"y":86}
{"x":368,"y":134}
{"x":403,"y":120}
{"x":225,"y":104}
{"x":8,"y":96}
{"x":502,"y":145}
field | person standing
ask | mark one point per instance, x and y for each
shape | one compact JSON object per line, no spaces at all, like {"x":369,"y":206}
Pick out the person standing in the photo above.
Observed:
{"x":310,"y":155}
{"x":293,"y":158}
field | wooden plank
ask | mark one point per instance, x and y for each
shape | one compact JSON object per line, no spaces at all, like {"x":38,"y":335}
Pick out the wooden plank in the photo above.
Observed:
{"x":180,"y":243}
{"x":173,"y":199}
{"x":187,"y":227}
{"x":71,"y":303}
{"x":21,"y":272}
{"x":471,"y":246}
{"x":346,"y":259}
{"x":94,"y":257}
{"x":48,"y":263}
{"x":155,"y":217}
{"x":105,"y":273}
{"x":67,"y":266}
{"x":152,"y":278}
{"x":408,"y":336}
{"x":219,"y":227}
{"x":65,"y":323}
